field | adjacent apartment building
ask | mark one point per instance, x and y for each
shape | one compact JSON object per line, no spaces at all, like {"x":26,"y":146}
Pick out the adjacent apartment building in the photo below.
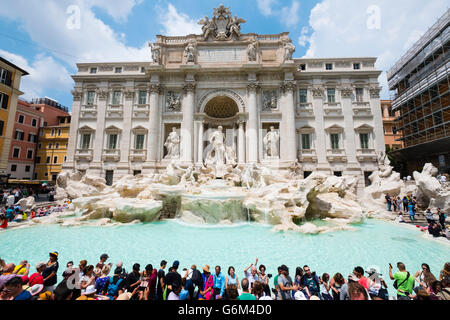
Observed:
{"x":25,"y":138}
{"x":10,"y":77}
{"x":53,"y":139}
{"x":421,"y":81}
{"x":392,"y":136}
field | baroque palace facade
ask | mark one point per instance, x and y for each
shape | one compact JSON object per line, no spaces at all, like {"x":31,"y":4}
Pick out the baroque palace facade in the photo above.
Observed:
{"x":131,"y":118}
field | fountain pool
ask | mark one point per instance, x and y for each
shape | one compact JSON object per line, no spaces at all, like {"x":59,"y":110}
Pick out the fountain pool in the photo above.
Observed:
{"x":372,"y":243}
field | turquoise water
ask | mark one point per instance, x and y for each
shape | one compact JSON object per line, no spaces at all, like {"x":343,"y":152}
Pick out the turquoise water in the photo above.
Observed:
{"x":373,"y":243}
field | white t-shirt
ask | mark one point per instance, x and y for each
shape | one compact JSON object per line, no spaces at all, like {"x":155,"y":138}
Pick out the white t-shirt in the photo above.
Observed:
{"x":250,"y":278}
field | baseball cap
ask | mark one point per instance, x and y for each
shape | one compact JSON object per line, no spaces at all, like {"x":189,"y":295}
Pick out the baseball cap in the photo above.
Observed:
{"x":176,"y":263}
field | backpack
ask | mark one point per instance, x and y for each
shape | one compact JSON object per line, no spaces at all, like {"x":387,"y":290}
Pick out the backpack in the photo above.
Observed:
{"x":113,"y":289}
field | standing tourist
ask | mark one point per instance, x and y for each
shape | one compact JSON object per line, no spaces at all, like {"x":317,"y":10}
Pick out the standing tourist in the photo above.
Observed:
{"x":429,"y":215}
{"x":388,"y":202}
{"x":442,"y":217}
{"x":285,"y":286}
{"x":161,"y":281}
{"x":404,"y":282}
{"x":405,"y":204}
{"x":50,"y":272}
{"x":253,"y":275}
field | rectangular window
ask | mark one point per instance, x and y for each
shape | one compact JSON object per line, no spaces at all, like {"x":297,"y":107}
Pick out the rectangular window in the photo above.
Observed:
{"x":50,"y":145}
{"x":306,"y":142}
{"x":27,"y":168}
{"x":85,"y":141}
{"x":112,"y":141}
{"x":59,"y":132}
{"x":118,"y":70}
{"x":13,"y":168}
{"x":34,"y":123}
{"x":116,"y":97}
{"x":30,"y":154}
{"x":20,"y":135}
{"x":338,"y":173}
{"x":90,"y":97}
{"x":4,"y":100}
{"x":303,"y":67}
{"x":142,"y":97}
{"x":359,"y":94}
{"x":21,"y":119}
{"x":16,"y":153}
{"x":334,"y":141}
{"x":364,"y":138}
{"x":52,"y":132}
{"x":55,"y":160}
{"x":356,"y":66}
{"x":2,"y":124}
{"x":57,"y":145}
{"x":303,"y":93}
{"x":38,"y":160}
{"x":47,"y":160}
{"x":328,"y":66}
{"x":93,"y":70}
{"x":394,"y":130}
{"x":140,"y":138}
{"x":5,"y":76}
{"x":331,"y":94}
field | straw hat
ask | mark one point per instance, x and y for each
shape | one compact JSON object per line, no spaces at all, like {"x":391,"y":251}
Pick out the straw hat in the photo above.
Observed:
{"x":206,"y":268}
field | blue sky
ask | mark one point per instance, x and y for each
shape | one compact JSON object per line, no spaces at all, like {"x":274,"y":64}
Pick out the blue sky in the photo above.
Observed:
{"x":39,"y":35}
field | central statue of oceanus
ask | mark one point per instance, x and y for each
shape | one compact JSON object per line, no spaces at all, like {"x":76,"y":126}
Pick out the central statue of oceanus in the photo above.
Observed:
{"x":220,"y":156}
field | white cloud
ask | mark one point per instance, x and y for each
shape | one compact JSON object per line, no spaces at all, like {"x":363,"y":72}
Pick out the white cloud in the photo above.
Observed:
{"x":92,"y":41}
{"x":288,"y":15}
{"x":44,"y":74}
{"x":176,"y":24}
{"x":304,"y":38}
{"x":340,"y":29}
{"x":265,"y":6}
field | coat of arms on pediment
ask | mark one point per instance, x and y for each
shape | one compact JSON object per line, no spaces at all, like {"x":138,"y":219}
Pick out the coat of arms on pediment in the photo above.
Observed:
{"x":222,"y":25}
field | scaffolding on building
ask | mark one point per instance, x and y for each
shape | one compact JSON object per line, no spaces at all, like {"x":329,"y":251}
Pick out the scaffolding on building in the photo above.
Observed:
{"x":419,"y":45}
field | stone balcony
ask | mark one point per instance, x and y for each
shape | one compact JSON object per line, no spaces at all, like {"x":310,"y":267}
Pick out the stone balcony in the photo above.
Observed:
{"x":114,"y":111}
{"x":305,"y":110}
{"x":88,"y":111}
{"x":138,"y":155}
{"x":141,"y":111}
{"x":366,"y":155}
{"x":332,"y":109}
{"x":111,"y":155}
{"x":84,"y":154}
{"x":362,"y":109}
{"x":309,"y":155}
{"x":336,"y":155}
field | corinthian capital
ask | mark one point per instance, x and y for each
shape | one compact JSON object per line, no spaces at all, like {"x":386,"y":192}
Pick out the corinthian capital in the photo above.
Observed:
{"x":189,"y":87}
{"x":288,"y":86}
{"x":375,"y":92}
{"x":129,"y":93}
{"x":155,"y":88}
{"x":318,"y":92}
{"x":253,"y":87}
{"x":346,"y":92}
{"x":77,"y":95}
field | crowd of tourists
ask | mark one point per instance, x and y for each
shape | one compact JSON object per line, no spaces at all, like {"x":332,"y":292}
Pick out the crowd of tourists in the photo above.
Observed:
{"x":86,"y":282}
{"x":15,"y":213}
{"x":12,"y":196}
{"x":436,"y":221}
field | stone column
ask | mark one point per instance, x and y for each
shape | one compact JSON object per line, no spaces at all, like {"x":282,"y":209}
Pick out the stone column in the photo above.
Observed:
{"x":252,"y":124}
{"x":153,"y":134}
{"x":200,"y":143}
{"x":241,"y":142}
{"x":187,"y":127}
{"x":73,"y":132}
{"x":321,"y":143}
{"x":102,"y":105}
{"x":378,"y":134}
{"x":288,"y":135}
{"x":126,"y":144}
{"x":349,"y":143}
